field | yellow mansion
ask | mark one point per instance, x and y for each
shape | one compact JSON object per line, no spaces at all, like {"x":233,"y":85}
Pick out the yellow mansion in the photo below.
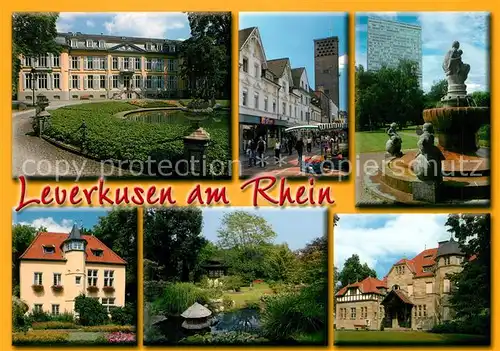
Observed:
{"x":57,"y":267}
{"x":103,"y":67}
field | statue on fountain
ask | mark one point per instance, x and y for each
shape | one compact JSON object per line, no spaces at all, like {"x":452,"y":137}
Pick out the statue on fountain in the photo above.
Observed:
{"x":393,"y":145}
{"x":427,"y":163}
{"x":456,"y":74}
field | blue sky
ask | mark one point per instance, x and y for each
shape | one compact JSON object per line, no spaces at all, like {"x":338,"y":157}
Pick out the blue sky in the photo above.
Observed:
{"x":292,"y":35}
{"x":59,"y":220}
{"x":439,"y":30}
{"x":294,"y":226}
{"x":381,"y":240}
{"x":169,"y":25}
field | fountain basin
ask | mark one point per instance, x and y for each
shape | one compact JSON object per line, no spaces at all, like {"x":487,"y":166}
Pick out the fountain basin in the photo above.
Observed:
{"x":457,"y":127}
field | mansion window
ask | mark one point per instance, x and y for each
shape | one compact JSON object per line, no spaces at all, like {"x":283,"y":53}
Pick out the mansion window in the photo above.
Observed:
{"x":157,"y":65}
{"x":42,"y":81}
{"x":57,"y":279}
{"x":172,"y":83}
{"x":28,"y":61}
{"x":57,"y":81}
{"x":49,"y":249}
{"x":75,"y":82}
{"x":245,"y":98}
{"x":266,"y":103}
{"x":256,"y":100}
{"x":78,"y":280}
{"x":256,"y":67}
{"x":395,"y":287}
{"x":420,"y":310}
{"x":75,"y":62}
{"x":290,"y":108}
{"x":102,"y":82}
{"x":38,"y":278}
{"x":137,"y":82}
{"x":89,"y":62}
{"x":126,"y":63}
{"x":115,"y":82}
{"x":400,"y":269}
{"x":114,"y":63}
{"x":149,"y":83}
{"x":74,"y":245}
{"x":55,"y":61}
{"x":428,"y":288}
{"x":158,"y":82}
{"x":108,"y":303}
{"x":148,"y":64}
{"x":447,"y":261}
{"x":171,"y":48}
{"x":284,"y":108}
{"x":109,"y":278}
{"x":101,"y":44}
{"x":353,"y":312}
{"x":424,"y":312}
{"x":55,"y":310}
{"x":90,"y":43}
{"x":427,"y":269}
{"x":171,"y":65}
{"x":42,"y":61}
{"x":90,"y":82}
{"x":137,"y":64}
{"x":274,"y":106}
{"x":446,"y":286}
{"x":74,"y":43}
{"x":301,"y":115}
{"x":38,"y":308}
{"x":245,"y":64}
{"x":364,"y":313}
{"x":92,"y":277}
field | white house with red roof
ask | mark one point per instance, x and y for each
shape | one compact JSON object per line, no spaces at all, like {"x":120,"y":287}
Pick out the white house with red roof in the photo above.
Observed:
{"x":58,"y":267}
{"x":413,"y":295}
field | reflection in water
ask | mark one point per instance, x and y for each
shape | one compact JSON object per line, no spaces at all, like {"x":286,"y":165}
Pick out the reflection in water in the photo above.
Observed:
{"x":244,"y":320}
{"x":177,"y":117}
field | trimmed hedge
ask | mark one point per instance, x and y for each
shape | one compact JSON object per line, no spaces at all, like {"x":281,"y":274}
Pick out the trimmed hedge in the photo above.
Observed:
{"x":37,"y":338}
{"x":54,"y":325}
{"x":111,"y":138}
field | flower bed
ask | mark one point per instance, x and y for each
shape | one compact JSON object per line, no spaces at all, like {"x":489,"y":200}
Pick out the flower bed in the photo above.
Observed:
{"x":121,"y":338}
{"x":110,"y":138}
{"x":144,"y":103}
{"x":110,"y":328}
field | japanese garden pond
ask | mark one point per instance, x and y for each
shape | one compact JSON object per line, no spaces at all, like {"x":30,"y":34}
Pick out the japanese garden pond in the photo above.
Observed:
{"x":176,"y":116}
{"x":242,"y":320}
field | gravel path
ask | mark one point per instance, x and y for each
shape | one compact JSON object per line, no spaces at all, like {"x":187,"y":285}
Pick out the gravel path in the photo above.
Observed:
{"x":35,"y":157}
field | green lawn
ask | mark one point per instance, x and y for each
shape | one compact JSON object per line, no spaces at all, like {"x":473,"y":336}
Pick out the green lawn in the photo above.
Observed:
{"x":375,"y":141}
{"x":352,"y":337}
{"x":249,"y":295}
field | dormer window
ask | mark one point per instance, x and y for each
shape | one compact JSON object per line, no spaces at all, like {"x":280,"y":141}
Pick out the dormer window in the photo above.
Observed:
{"x":90,"y":43}
{"x":74,"y":245}
{"x":427,"y":256}
{"x":148,"y":46}
{"x":427,"y":269}
{"x":97,"y":252}
{"x":74,"y":43}
{"x":101,"y":44}
{"x":49,"y":249}
{"x":171,"y":48}
{"x":395,"y":287}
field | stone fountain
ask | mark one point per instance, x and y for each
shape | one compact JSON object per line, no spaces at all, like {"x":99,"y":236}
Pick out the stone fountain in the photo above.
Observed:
{"x":456,"y":170}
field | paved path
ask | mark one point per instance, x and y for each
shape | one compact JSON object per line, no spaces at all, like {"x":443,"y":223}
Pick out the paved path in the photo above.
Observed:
{"x":84,"y":336}
{"x":33,"y":156}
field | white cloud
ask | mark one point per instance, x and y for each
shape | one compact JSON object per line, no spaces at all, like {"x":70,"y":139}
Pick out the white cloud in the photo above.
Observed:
{"x":64,"y":226}
{"x":150,"y":25}
{"x":400,"y":235}
{"x":343,"y":61}
{"x":90,"y":23}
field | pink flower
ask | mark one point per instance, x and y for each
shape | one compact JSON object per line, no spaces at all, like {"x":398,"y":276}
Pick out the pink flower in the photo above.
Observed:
{"x":120,"y":337}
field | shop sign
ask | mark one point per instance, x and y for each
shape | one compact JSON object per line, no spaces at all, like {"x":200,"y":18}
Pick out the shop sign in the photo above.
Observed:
{"x":264,"y":120}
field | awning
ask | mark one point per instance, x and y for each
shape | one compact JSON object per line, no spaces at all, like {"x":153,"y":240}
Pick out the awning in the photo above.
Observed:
{"x":303,"y":127}
{"x":326,"y":126}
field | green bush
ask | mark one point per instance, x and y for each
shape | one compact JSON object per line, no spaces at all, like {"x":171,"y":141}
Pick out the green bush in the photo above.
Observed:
{"x":20,"y":322}
{"x":477,"y":325}
{"x":227,"y":302}
{"x":123,"y":315}
{"x":290,"y":314}
{"x":224,"y":338}
{"x":40,"y":316}
{"x":37,"y":338}
{"x":54,"y":325}
{"x":90,"y":311}
{"x":178,"y":297}
{"x":233,"y":282}
{"x":110,"y":138}
{"x":153,"y":289}
{"x":63,"y":317}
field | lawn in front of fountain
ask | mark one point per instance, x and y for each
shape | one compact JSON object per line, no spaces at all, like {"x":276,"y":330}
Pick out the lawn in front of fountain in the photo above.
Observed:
{"x":407,"y":338}
{"x":106,"y":137}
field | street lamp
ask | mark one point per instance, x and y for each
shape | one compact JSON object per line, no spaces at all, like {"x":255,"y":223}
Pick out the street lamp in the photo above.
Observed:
{"x":33,"y":77}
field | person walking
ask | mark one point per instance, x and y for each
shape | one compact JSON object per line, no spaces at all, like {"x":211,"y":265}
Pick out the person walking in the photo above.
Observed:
{"x":277,"y":152}
{"x":290,"y":145}
{"x":299,"y":146}
{"x":252,"y":148}
{"x":309,"y":144}
{"x":261,"y":149}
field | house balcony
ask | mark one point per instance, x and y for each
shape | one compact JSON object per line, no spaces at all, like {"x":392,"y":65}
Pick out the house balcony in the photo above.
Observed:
{"x":57,"y":288}
{"x":108,"y":289}
{"x":37,"y":287}
{"x":92,"y":288}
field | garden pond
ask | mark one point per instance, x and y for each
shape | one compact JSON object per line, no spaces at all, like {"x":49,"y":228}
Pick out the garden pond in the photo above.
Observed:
{"x":242,"y":320}
{"x":179,"y":117}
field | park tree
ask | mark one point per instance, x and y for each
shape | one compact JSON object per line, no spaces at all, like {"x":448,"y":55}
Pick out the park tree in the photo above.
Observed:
{"x":281,"y":264}
{"x":481,"y":98}
{"x":471,"y":298}
{"x":353,"y":271}
{"x":206,"y":56}
{"x":314,"y":260}
{"x":118,"y":230}
{"x":433,"y":96}
{"x":173,"y":240}
{"x":336,"y":281}
{"x":22,"y":236}
{"x":33,"y":35}
{"x":245,"y":239}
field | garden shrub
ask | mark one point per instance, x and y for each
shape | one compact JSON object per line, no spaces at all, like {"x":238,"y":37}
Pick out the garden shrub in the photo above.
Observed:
{"x":40,"y":316}
{"x":152,"y":333}
{"x":37,"y":339}
{"x":224,"y":338}
{"x":178,"y":297}
{"x":54,"y":325}
{"x":477,"y":325}
{"x":20,"y":322}
{"x":123,"y":315}
{"x":90,"y":311}
{"x":63,"y":317}
{"x":153,"y":289}
{"x":227,"y":302}
{"x":233,"y":282}
{"x":253,"y":305}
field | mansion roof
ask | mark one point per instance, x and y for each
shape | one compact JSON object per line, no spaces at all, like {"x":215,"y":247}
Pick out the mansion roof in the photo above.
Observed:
{"x":366,"y":286}
{"x":36,"y":249}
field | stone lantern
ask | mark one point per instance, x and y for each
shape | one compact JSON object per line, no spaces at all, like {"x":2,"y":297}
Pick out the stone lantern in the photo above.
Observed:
{"x":195,"y":146}
{"x":42,"y":121}
{"x":196,"y":317}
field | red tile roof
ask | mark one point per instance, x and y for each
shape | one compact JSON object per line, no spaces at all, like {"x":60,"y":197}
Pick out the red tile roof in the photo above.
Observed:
{"x":400,"y":294}
{"x":367,"y":285}
{"x":36,"y":252}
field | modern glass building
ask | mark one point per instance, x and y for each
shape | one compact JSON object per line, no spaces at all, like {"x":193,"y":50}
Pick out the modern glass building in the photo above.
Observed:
{"x":389,"y":42}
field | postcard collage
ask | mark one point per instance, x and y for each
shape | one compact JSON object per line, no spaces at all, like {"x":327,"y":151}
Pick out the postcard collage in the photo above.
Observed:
{"x":401,"y":112}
